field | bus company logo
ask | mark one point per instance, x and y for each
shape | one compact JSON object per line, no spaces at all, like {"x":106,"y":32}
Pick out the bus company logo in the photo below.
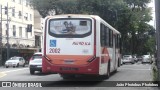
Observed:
{"x":6,"y":84}
{"x":53,"y":43}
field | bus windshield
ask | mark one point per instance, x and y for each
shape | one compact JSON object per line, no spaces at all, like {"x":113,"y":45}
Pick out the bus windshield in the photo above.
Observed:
{"x":69,"y":27}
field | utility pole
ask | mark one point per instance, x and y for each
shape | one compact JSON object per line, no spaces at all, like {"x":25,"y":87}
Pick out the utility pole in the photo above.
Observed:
{"x":8,"y":47}
{"x":157,"y":10}
{"x":7,"y":32}
{"x":1,"y":38}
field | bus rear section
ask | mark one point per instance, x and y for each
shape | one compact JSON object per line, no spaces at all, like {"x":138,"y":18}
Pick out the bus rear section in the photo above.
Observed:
{"x":69,"y":45}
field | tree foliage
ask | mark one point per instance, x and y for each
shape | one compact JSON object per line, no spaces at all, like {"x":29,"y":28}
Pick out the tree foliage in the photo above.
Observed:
{"x":130,"y":17}
{"x":44,"y":6}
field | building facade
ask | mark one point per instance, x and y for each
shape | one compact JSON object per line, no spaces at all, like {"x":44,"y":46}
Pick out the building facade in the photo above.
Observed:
{"x":21,"y":40}
{"x":38,"y":23}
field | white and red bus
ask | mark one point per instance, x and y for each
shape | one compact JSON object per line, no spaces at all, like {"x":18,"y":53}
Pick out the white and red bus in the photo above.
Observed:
{"x":80,"y":44}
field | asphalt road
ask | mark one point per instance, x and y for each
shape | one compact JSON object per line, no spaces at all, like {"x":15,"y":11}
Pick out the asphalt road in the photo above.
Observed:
{"x":128,"y":72}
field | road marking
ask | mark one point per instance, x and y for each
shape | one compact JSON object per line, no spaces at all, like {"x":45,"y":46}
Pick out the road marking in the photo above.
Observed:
{"x":14,"y":70}
{"x":4,"y":73}
{"x":135,"y":69}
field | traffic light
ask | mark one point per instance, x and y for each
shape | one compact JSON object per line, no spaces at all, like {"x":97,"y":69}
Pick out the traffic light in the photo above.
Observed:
{"x":29,"y":27}
{"x":6,"y":10}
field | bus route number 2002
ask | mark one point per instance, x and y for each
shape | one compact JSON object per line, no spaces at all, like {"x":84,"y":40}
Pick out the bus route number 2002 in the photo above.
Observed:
{"x":54,"y":50}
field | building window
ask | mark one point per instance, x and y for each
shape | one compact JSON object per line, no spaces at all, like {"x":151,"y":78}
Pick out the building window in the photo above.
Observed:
{"x":6,"y":29}
{"x":20,"y":32}
{"x":14,"y":31}
{"x":30,"y":17}
{"x":20,"y":1}
{"x":26,"y":33}
{"x":13,"y":12}
{"x":6,"y":32}
{"x":31,"y":33}
{"x":6,"y":26}
{"x":5,"y":10}
{"x":26,"y":16}
{"x":20,"y":14}
{"x":37,"y":41}
{"x":27,"y":3}
{"x":30,"y":4}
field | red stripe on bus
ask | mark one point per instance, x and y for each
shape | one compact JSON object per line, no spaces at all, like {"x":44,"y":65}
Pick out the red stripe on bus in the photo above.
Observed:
{"x":69,"y":59}
{"x":105,"y":58}
{"x":91,"y":68}
{"x":45,"y":30}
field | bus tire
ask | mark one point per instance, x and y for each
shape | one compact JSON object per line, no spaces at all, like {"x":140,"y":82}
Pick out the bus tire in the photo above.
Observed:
{"x":108,"y":71}
{"x":17,"y":65}
{"x":6,"y":66}
{"x":119,"y":63}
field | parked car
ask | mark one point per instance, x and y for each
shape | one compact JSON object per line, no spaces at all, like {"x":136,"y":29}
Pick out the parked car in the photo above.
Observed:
{"x":15,"y":62}
{"x":146,"y":59}
{"x":35,"y":63}
{"x":128,"y":59}
{"x":135,"y":58}
{"x":139,"y":58}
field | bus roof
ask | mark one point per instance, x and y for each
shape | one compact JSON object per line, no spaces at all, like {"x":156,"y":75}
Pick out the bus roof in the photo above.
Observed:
{"x":104,"y":22}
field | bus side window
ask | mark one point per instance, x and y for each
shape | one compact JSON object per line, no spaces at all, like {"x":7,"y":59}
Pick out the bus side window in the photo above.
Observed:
{"x":102,"y":35}
{"x":107,"y":36}
{"x":116,"y":45}
{"x":117,"y":41}
{"x":110,"y":38}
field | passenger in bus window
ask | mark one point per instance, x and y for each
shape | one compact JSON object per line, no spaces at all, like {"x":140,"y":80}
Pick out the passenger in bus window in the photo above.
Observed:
{"x":70,"y":29}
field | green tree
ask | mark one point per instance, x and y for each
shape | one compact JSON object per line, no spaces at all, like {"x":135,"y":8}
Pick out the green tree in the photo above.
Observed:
{"x":45,"y":6}
{"x":132,"y":24}
{"x":130,"y":17}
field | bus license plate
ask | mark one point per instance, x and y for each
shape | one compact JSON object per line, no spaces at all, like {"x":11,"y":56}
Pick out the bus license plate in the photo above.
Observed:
{"x":68,"y":68}
{"x":68,"y":62}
